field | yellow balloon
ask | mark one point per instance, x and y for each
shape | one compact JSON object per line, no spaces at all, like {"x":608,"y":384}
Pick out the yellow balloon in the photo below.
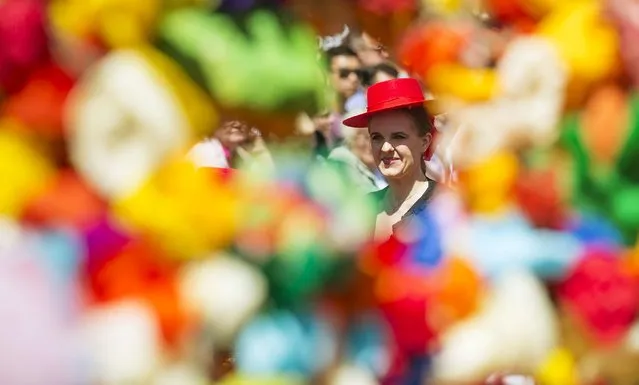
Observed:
{"x":539,"y":8}
{"x":446,"y":7}
{"x":237,"y":379}
{"x":487,"y":186}
{"x":24,"y":171}
{"x":194,"y":102}
{"x":469,"y":84}
{"x":586,"y":42}
{"x":558,"y":369}
{"x":119,"y":23}
{"x":186,"y":211}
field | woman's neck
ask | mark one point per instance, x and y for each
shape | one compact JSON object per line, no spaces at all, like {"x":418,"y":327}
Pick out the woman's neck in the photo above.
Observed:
{"x":400,"y":189}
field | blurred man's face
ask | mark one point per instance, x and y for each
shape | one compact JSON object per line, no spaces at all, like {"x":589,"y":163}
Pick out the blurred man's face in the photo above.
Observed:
{"x":233,"y":133}
{"x":323,"y":122}
{"x":345,"y":75}
{"x":370,"y":51}
{"x":361,"y":147}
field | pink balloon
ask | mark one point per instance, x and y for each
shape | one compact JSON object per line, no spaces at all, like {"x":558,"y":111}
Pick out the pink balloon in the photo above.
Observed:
{"x":38,"y":344}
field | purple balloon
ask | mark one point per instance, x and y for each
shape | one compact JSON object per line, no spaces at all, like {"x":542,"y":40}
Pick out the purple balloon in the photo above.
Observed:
{"x":103,"y":240}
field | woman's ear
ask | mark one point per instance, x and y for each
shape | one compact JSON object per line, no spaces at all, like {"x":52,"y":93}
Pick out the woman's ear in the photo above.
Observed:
{"x":426,"y":141}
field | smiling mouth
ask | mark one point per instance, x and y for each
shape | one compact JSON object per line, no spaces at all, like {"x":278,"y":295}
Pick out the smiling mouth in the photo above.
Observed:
{"x":388,"y":161}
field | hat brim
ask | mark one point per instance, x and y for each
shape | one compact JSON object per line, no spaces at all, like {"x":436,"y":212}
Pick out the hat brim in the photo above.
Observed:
{"x":362,"y":120}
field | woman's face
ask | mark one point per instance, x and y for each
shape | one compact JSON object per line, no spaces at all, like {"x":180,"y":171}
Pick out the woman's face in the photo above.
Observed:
{"x":397,"y":147}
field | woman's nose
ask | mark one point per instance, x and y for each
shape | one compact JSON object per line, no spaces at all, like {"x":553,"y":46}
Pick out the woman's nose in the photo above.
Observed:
{"x":387,"y":147}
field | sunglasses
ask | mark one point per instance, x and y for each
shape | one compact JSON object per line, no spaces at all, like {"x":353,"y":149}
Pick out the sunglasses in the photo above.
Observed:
{"x":346,"y":72}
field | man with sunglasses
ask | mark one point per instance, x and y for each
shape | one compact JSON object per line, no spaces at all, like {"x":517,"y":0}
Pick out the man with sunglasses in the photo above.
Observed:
{"x":345,"y":73}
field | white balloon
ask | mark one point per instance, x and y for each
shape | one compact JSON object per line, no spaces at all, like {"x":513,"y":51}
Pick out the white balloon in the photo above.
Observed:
{"x":532,"y":81}
{"x":180,"y":374}
{"x":226,"y":291}
{"x":515,"y":330}
{"x":122,"y":123}
{"x":350,"y":374}
{"x":123,"y":343}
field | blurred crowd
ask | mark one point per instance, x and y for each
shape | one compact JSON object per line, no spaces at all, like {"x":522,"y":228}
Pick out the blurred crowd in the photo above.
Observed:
{"x":180,"y":202}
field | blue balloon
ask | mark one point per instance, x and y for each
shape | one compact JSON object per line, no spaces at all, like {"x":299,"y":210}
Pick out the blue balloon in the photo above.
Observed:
{"x":284,"y":343}
{"x":594,"y":229}
{"x":62,"y":250}
{"x":367,"y":344}
{"x":426,"y":250}
{"x":499,"y":245}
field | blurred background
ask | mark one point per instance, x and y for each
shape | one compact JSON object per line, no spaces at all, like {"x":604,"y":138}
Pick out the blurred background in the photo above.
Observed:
{"x":181,"y":204}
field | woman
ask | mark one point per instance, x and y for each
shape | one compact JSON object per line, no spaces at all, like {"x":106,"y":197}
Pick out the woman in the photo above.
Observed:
{"x":400,"y":133}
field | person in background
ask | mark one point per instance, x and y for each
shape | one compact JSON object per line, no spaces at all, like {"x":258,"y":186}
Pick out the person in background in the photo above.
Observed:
{"x":345,"y":73}
{"x":356,"y":156}
{"x":370,"y":51}
{"x":326,"y":137}
{"x":233,"y":144}
{"x":382,"y":72}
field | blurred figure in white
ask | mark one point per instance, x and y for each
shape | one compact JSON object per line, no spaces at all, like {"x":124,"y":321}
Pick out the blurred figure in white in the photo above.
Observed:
{"x":234,"y":143}
{"x":356,"y":155}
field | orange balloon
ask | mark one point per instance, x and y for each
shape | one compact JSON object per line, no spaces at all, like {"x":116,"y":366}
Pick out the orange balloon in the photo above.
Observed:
{"x":140,"y":271}
{"x":605,"y":122}
{"x":39,"y":104}
{"x":456,"y":289}
{"x":68,"y":201}
{"x":425,"y":46}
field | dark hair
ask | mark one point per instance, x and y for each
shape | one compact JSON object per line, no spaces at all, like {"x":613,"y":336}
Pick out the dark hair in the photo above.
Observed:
{"x":355,"y":35}
{"x":385,"y":67}
{"x":424,"y":124}
{"x":341,"y":50}
{"x":423,"y":120}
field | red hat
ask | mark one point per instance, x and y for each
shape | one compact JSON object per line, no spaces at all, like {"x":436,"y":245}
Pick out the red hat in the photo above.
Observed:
{"x":389,"y":95}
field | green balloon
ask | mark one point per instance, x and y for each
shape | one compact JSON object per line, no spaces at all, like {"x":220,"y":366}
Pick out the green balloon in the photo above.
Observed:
{"x":612,"y":192}
{"x":265,"y":69}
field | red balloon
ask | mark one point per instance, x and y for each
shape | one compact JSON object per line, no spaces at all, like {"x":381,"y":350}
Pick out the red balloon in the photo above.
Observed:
{"x":602,"y":294}
{"x":39,"y":105}
{"x":543,"y":206}
{"x":23,"y":41}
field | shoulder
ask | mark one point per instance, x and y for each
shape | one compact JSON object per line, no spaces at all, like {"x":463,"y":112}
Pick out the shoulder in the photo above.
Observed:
{"x":378,"y":196}
{"x":341,"y":153}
